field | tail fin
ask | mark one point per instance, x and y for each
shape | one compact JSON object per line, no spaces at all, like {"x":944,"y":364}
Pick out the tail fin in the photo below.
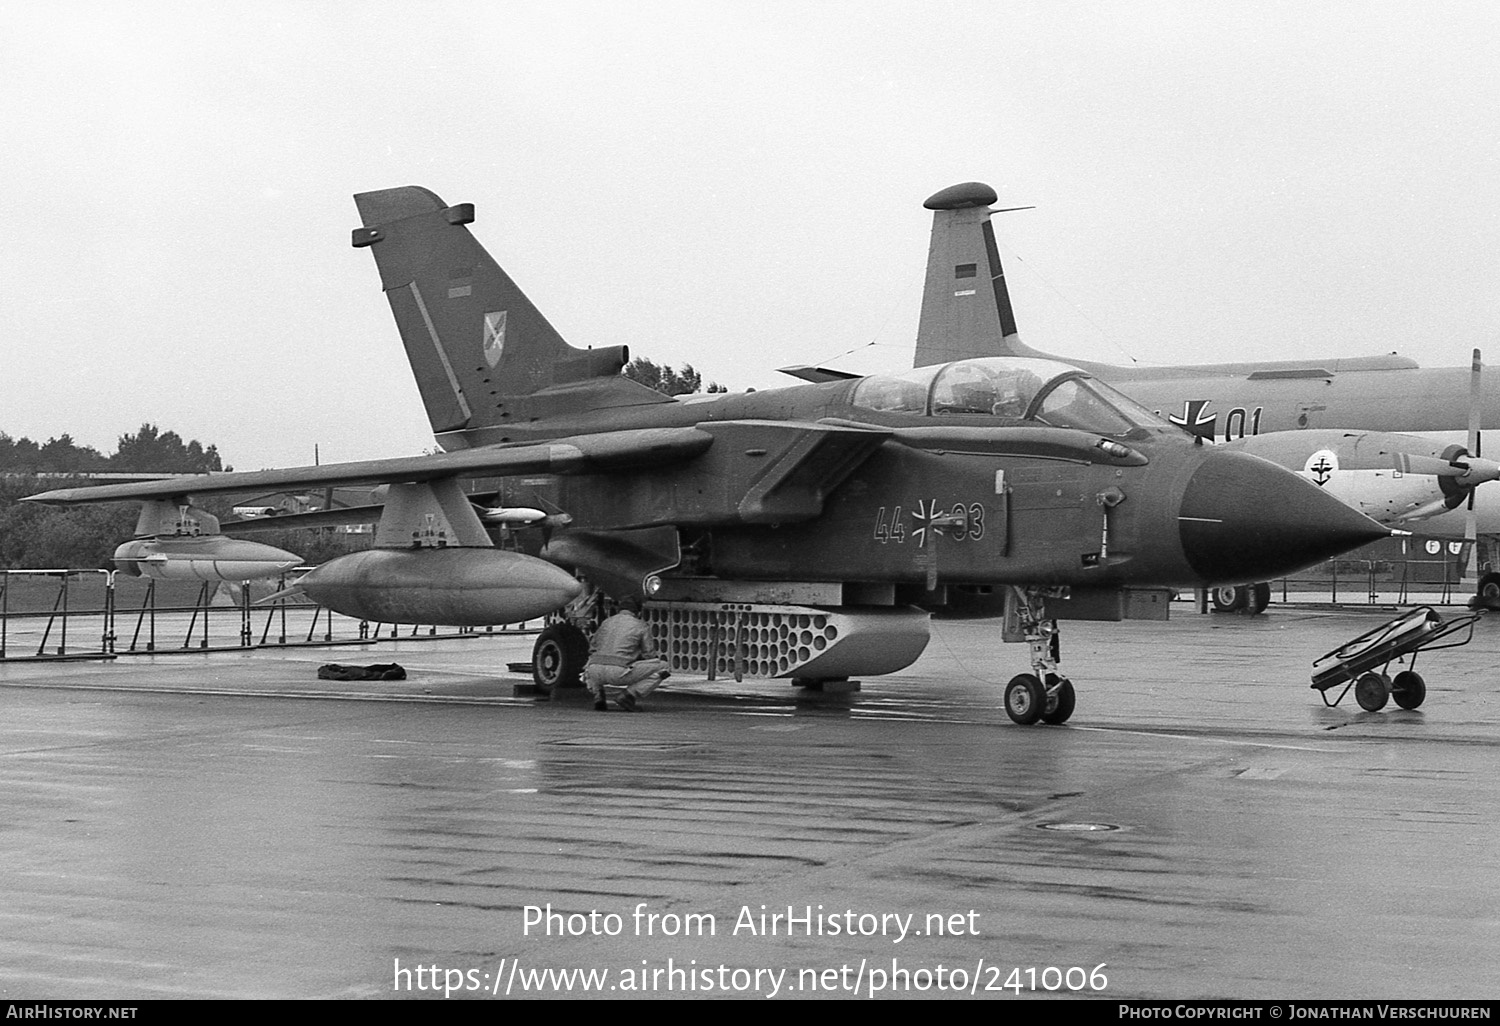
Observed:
{"x":966,"y":308}
{"x":477,"y":345}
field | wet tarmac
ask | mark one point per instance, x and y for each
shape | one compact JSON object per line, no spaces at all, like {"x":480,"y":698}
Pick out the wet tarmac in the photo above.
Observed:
{"x":226,"y":825}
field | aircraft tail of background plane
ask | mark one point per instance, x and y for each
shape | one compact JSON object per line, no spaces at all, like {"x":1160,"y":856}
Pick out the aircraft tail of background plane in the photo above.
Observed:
{"x":966,"y":309}
{"x":484,"y":356}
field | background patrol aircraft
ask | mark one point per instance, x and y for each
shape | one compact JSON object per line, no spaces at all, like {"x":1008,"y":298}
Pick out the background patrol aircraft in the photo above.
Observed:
{"x":1348,"y":425}
{"x":804,"y":532}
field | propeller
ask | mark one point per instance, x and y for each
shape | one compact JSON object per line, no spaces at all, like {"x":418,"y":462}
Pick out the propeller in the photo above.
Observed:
{"x":1467,"y":471}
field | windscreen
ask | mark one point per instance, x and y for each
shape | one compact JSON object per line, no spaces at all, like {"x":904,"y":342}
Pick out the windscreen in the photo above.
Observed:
{"x":1091,"y":405}
{"x":1008,"y":388}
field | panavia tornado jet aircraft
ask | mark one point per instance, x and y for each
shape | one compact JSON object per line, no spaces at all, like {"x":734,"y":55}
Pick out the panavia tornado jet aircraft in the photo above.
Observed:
{"x":806,"y":532}
{"x":1395,"y":441}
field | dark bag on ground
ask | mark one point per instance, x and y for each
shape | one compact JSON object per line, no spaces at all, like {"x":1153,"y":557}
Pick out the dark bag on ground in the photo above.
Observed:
{"x":375,"y":671}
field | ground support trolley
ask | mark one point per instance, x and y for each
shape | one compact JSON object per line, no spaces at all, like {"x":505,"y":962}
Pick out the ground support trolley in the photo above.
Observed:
{"x":1355,"y":661}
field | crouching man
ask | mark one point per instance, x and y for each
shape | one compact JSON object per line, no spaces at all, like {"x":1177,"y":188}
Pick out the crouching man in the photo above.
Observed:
{"x":622,"y":655}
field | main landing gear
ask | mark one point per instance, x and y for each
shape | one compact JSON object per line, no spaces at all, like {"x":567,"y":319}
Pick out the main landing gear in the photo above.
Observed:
{"x":1043,"y":695}
{"x":1242,"y":598}
{"x":1487,"y":594}
{"x":558,"y":656}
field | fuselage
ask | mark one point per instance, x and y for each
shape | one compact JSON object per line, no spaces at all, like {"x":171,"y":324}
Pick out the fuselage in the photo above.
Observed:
{"x":1233,"y":402}
{"x":1226,"y":406}
{"x":1067,"y":484}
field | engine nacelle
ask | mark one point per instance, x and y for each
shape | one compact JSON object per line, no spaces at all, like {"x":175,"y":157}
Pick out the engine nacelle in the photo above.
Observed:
{"x":458,"y":587}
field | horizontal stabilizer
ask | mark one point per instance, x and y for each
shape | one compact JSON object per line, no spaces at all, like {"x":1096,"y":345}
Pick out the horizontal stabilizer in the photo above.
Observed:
{"x":817,"y":375}
{"x":344,"y":517}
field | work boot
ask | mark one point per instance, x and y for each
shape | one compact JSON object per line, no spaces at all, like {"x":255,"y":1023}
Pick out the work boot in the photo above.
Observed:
{"x":626,"y":702}
{"x":600,"y":705}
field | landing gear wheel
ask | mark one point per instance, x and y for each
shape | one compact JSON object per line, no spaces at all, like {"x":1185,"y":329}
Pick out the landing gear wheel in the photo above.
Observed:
{"x":1229,"y":599}
{"x":1059,"y":705}
{"x":1258,"y":599}
{"x":1488,"y":592}
{"x":557,"y":658}
{"x":1372,"y":691}
{"x":1409,"y":689}
{"x":1025,"y":699}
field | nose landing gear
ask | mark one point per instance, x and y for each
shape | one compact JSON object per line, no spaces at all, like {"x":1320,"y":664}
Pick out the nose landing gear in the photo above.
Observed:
{"x":1043,"y":695}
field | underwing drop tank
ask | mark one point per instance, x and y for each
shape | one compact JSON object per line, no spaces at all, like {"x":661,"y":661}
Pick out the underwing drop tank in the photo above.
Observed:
{"x":460,"y":587}
{"x":204,"y":558}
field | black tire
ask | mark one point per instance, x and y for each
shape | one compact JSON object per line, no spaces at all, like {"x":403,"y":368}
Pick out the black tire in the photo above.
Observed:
{"x":1488,"y":591}
{"x":1372,"y":691}
{"x":558,"y":656}
{"x":1059,"y":706}
{"x":1258,"y":599}
{"x":1229,"y":599}
{"x":1025,"y":699}
{"x":1409,"y":689}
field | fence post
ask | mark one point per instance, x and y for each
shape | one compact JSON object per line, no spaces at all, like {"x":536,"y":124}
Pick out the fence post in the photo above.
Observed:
{"x":107,"y":642}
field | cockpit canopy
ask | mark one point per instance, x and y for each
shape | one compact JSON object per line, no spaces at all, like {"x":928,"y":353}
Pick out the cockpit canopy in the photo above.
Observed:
{"x":1009,"y":388}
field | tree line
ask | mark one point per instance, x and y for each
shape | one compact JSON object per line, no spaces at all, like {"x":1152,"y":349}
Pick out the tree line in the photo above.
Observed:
{"x":51,"y":537}
{"x":668,"y":381}
{"x":149,"y":449}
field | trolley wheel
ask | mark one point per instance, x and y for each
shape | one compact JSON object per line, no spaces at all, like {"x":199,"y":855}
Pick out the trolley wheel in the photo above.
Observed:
{"x":1372,"y":691}
{"x":1059,"y":704}
{"x":1409,"y":689}
{"x":1229,"y":599}
{"x":1025,"y":699}
{"x":1258,"y":599}
{"x":558,"y":656}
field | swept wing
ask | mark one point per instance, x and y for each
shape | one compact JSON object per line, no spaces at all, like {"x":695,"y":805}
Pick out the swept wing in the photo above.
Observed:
{"x":581,"y":454}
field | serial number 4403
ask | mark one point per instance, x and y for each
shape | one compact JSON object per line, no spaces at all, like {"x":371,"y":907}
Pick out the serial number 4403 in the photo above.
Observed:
{"x":958,"y":523}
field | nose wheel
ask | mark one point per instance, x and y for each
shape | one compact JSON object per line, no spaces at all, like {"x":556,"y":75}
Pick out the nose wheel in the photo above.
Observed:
{"x":1060,"y":702}
{"x":1028,"y":700}
{"x":1025,"y":699}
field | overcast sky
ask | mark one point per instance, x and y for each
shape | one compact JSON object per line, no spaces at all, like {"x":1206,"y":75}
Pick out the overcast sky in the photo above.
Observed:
{"x":733,"y":185}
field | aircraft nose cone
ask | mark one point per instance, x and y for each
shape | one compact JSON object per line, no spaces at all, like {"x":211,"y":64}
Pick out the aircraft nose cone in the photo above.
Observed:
{"x":1244,"y":519}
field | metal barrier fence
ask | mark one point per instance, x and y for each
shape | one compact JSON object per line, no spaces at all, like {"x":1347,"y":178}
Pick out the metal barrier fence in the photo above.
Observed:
{"x":1436,"y":582}
{"x":100,"y":614}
